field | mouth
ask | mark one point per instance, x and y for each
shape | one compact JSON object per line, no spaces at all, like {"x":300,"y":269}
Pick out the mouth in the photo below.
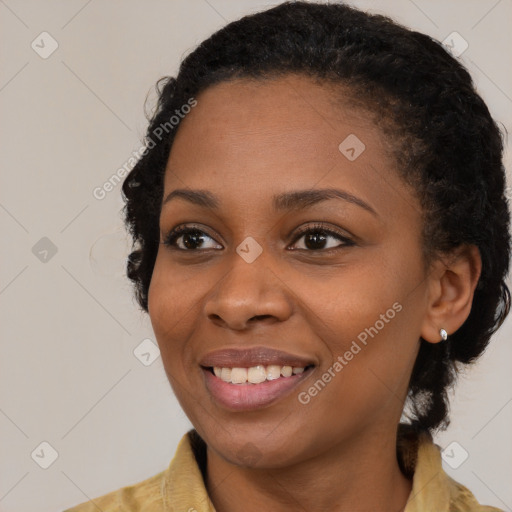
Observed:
{"x":254,"y":387}
{"x":255,"y":374}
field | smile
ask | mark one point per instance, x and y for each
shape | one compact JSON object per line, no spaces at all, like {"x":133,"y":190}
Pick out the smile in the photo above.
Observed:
{"x":256,"y":374}
{"x":242,"y":389}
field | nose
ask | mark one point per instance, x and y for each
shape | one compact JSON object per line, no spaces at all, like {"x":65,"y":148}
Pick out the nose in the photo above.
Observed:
{"x":249,"y":293}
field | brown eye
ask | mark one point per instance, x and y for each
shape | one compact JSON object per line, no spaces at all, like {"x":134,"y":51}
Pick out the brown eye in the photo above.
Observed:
{"x":317,"y":238}
{"x":187,"y":239}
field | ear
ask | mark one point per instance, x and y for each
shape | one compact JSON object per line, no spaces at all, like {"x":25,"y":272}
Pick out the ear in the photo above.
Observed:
{"x":451,"y":286}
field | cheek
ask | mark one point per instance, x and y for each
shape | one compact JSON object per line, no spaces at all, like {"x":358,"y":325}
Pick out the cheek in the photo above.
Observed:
{"x":172,"y":311}
{"x":367,"y":328}
{"x":352,"y":299}
{"x":368,"y":320}
{"x":176,"y":304}
{"x":170,"y":308}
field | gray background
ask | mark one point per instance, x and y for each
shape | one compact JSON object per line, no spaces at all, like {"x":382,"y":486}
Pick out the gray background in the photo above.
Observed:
{"x":69,"y":325}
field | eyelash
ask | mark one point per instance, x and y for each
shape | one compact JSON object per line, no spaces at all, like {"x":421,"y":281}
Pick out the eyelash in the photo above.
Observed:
{"x":174,"y":234}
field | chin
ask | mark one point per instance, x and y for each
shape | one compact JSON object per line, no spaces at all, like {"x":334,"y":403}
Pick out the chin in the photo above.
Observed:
{"x":258,"y":448}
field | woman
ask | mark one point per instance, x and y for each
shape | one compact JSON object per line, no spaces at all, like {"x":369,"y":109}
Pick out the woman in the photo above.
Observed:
{"x":321,"y":236}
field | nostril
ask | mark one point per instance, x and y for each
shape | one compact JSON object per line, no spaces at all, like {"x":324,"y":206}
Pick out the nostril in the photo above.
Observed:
{"x":260,"y":317}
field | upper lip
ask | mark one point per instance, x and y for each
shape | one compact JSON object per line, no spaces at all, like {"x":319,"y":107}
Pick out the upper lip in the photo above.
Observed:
{"x":252,"y":356}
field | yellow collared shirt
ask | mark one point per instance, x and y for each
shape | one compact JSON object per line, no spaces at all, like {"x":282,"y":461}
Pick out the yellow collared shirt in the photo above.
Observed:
{"x":180,"y":488}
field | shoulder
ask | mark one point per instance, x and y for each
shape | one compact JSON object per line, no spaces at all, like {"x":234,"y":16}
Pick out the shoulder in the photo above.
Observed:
{"x":144,"y":496}
{"x":463,"y":500}
{"x":180,"y":481}
{"x":432,"y":488}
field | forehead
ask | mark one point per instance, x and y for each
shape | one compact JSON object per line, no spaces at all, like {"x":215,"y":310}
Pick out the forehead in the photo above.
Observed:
{"x":288,"y":132}
{"x":296,"y":114}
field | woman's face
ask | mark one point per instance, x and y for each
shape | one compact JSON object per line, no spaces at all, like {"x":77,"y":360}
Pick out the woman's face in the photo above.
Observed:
{"x":345,"y":300}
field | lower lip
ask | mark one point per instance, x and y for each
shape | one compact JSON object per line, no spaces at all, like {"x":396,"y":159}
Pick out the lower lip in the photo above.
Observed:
{"x":244,"y":397}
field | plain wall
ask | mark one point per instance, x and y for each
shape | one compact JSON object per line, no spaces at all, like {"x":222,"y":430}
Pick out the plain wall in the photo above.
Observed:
{"x":69,"y":325}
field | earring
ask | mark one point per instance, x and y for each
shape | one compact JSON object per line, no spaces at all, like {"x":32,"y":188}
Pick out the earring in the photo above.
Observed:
{"x":444,"y":334}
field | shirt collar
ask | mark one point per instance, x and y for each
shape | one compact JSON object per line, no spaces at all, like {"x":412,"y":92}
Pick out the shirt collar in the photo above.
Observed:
{"x":183,"y":487}
{"x":420,"y":459}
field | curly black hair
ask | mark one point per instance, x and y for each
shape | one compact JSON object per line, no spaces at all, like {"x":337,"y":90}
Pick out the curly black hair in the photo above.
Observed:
{"x":446,"y":145}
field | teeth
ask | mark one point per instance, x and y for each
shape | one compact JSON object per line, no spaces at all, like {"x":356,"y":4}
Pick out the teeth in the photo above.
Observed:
{"x":238,"y":375}
{"x":256,"y":374}
{"x":273,"y":372}
{"x":225,"y":374}
{"x":286,"y":371}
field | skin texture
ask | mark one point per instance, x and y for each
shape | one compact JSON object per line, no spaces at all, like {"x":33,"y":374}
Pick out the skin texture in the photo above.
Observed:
{"x":244,"y":142}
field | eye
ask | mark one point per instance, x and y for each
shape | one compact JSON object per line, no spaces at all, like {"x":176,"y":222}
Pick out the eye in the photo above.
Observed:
{"x":187,"y":238}
{"x":316,"y":237}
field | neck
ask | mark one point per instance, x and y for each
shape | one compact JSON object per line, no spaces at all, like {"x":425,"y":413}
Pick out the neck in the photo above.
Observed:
{"x":362,"y":474}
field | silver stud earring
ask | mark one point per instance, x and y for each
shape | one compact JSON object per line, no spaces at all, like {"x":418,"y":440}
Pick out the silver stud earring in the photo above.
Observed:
{"x":444,"y":334}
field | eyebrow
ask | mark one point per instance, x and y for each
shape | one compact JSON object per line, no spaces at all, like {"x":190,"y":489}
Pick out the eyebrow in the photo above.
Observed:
{"x":296,"y":200}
